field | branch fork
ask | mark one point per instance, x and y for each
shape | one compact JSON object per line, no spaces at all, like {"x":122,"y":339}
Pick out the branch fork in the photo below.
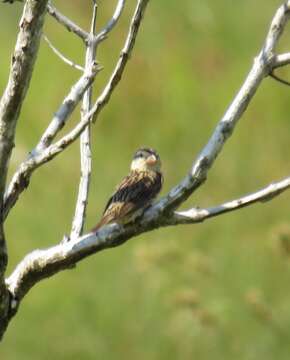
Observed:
{"x":41,"y":264}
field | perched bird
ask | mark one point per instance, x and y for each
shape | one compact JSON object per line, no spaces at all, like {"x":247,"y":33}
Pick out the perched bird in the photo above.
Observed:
{"x":136,"y":191}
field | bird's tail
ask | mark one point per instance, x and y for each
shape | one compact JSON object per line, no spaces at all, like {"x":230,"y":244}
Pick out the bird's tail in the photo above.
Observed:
{"x":97,"y":227}
{"x":105,"y":220}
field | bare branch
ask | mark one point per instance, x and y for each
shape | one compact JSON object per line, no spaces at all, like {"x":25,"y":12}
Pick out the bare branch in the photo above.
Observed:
{"x":281,"y":60}
{"x":19,"y":78}
{"x":280,"y":80}
{"x":61,"y":56}
{"x":44,"y":263}
{"x":276,"y":29}
{"x":67,"y":23}
{"x":198,"y":215}
{"x":262,"y":67}
{"x":111,"y":23}
{"x":25,"y":53}
{"x":21,"y":177}
{"x":94,"y":18}
{"x":69,"y":104}
{"x":124,"y":57}
{"x":82,"y":200}
{"x":26,"y":168}
{"x":85,"y":144}
{"x":41,"y":264}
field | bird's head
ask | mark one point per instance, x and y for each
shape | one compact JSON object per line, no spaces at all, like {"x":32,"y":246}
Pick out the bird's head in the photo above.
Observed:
{"x":146,"y":159}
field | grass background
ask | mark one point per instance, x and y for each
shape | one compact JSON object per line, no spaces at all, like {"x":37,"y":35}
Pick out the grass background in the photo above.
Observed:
{"x":218,"y":290}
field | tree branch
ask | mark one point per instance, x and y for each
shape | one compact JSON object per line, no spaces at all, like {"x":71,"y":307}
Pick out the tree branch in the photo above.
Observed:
{"x":41,"y":264}
{"x":44,"y":263}
{"x":48,"y":153}
{"x":281,"y":60}
{"x":67,"y":23}
{"x":196,"y":215}
{"x":61,"y":56}
{"x":261,"y":68}
{"x":85,"y":143}
{"x":280,"y":80}
{"x":23,"y":59}
{"x":19,"y":78}
{"x":111,"y":23}
{"x":20,"y":179}
{"x":68,"y":105}
{"x":22,"y":176}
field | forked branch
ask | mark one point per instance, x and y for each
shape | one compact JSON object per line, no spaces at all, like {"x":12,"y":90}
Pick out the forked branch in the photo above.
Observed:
{"x":85,"y":143}
{"x":196,"y":215}
{"x":67,"y":23}
{"x":41,"y":264}
{"x":44,"y":263}
{"x":22,"y":176}
{"x":21,"y":69}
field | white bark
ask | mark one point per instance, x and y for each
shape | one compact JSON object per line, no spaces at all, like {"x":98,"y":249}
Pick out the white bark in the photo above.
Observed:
{"x":67,"y":23}
{"x":85,"y":143}
{"x":44,"y":263}
{"x":111,"y":23}
{"x":195,"y":215}
{"x":282,"y":60}
{"x":22,"y":64}
{"x":22,"y":176}
{"x":20,"y":179}
{"x":41,"y":264}
{"x":61,"y":56}
{"x":262,"y":66}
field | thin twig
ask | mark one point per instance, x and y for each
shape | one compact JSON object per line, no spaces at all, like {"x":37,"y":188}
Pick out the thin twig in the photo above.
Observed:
{"x":68,"y":105}
{"x":21,"y":177}
{"x":280,"y":80}
{"x":22,"y":65}
{"x":43,"y":153}
{"x":21,"y":69}
{"x":30,"y":271}
{"x":85,"y":143}
{"x":61,"y":56}
{"x":198,"y":215}
{"x":67,"y":23}
{"x":111,"y":23}
{"x":262,"y":67}
{"x":44,"y":263}
{"x":281,"y":60}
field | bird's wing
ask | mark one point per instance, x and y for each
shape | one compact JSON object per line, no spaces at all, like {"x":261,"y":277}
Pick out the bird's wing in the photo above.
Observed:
{"x":136,"y":190}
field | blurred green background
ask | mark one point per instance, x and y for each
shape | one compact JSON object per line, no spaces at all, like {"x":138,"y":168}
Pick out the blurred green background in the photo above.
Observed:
{"x":218,"y":290}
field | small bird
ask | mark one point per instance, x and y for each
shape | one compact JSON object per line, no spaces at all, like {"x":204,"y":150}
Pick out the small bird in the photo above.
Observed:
{"x":136,"y":191}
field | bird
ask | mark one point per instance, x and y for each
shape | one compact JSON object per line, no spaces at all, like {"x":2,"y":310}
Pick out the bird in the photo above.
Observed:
{"x":136,"y":191}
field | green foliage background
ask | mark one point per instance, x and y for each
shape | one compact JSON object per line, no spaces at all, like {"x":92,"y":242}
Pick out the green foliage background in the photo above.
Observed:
{"x":218,"y":290}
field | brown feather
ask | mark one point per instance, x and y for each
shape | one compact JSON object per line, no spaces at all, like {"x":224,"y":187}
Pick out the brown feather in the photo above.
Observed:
{"x":135,"y":192}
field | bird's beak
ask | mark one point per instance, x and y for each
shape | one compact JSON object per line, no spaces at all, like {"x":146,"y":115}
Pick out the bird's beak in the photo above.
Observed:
{"x":151,"y":160}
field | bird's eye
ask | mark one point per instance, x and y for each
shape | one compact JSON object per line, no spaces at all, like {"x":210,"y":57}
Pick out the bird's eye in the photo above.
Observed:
{"x":138,"y":155}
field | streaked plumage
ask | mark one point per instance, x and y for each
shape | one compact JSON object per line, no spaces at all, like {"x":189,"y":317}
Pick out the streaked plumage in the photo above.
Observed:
{"x":136,"y":191}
